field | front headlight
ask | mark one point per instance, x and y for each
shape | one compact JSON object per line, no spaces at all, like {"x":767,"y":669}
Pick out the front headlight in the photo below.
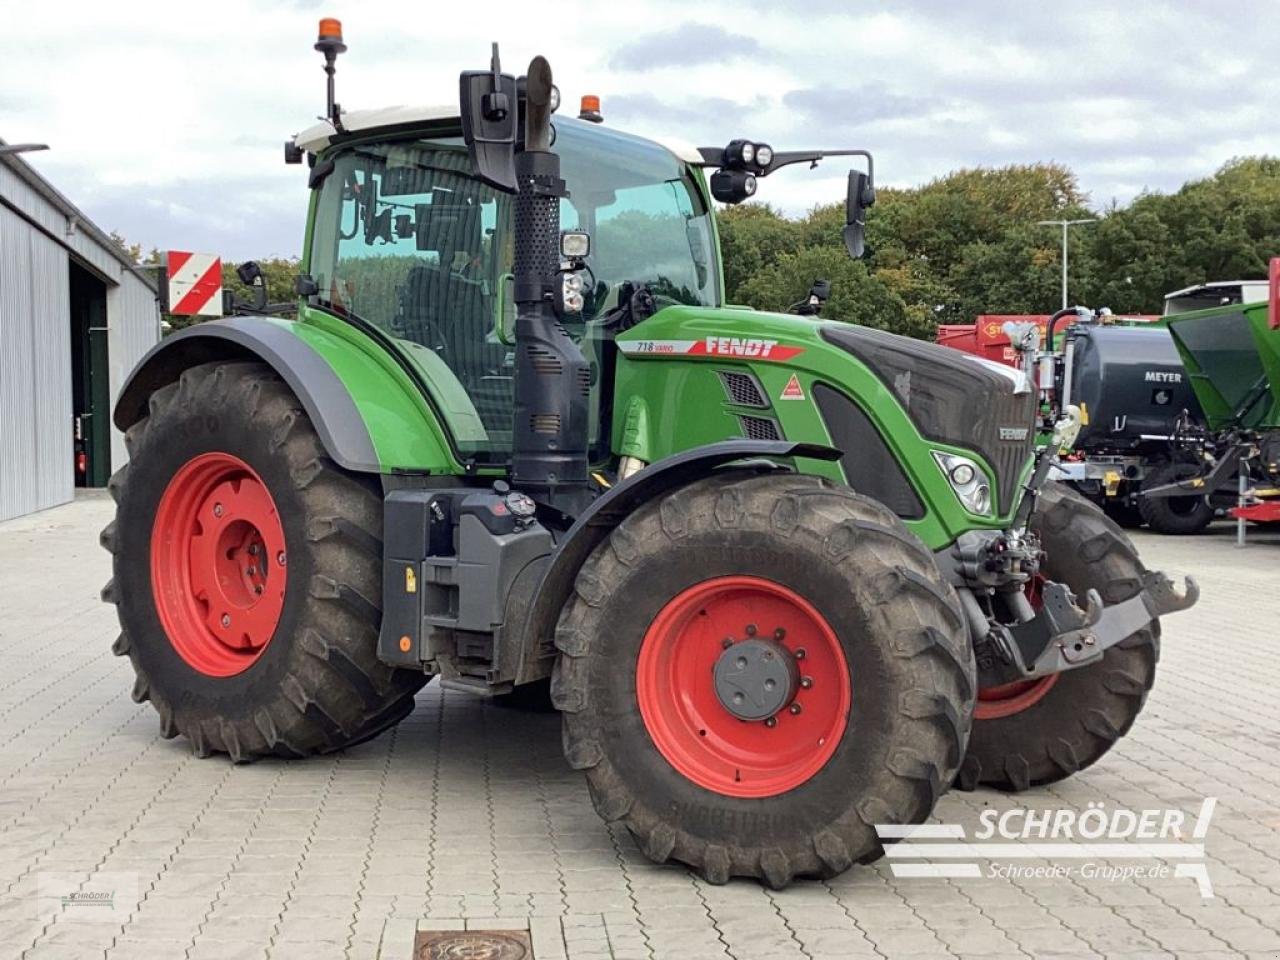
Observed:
{"x":967,"y":480}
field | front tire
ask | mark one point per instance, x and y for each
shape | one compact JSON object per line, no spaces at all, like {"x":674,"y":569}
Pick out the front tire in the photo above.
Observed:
{"x":767,"y":566}
{"x":1035,"y":732}
{"x":247,"y":573}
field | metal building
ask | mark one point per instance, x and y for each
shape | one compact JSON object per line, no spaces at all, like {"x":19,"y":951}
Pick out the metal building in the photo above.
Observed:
{"x":75,"y":315}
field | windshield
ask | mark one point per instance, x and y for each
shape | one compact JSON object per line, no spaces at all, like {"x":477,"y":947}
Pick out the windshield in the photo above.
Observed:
{"x":406,"y":240}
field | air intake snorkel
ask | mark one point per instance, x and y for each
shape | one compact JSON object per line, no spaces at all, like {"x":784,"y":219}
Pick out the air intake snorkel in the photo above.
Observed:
{"x":552,"y":378}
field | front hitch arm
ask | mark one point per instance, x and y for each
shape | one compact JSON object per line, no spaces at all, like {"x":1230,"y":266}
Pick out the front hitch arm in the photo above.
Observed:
{"x":1069,"y":636}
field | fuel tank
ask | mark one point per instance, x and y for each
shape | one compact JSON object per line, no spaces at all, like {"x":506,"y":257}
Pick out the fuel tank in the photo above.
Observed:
{"x":1131,"y":383}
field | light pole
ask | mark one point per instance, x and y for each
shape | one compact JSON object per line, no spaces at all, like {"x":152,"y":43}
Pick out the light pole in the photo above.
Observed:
{"x":1065,"y":224}
{"x":7,"y":148}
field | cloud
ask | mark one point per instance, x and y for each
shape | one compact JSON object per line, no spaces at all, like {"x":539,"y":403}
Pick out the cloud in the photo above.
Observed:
{"x":167,"y":125}
{"x":690,"y":110}
{"x":844,"y":107}
{"x":681,"y":45}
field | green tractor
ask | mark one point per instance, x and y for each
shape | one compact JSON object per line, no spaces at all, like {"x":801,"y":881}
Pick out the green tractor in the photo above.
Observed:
{"x":788,"y":579}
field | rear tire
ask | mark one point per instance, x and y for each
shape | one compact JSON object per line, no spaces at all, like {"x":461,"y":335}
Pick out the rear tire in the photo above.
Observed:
{"x":1042,"y":731}
{"x":1174,"y":515}
{"x":894,"y":641}
{"x":314,"y":683}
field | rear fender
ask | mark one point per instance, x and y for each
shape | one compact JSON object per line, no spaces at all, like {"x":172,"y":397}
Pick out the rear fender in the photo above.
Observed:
{"x":318,"y":388}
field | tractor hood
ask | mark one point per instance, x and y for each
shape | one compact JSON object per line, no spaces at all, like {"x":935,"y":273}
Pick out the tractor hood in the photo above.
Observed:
{"x":952,"y":397}
{"x":900,"y":401}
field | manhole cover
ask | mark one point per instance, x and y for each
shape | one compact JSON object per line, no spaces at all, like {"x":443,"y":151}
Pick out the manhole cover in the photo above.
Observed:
{"x":472,"y":945}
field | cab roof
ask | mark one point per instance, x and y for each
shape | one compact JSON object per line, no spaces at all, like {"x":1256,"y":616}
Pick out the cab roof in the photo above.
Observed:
{"x":318,"y":136}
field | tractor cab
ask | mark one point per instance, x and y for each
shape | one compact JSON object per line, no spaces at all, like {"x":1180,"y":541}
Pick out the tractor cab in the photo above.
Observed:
{"x":404,"y":237}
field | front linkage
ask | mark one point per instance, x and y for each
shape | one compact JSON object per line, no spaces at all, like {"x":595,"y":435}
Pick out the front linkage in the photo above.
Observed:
{"x":1025,"y":626}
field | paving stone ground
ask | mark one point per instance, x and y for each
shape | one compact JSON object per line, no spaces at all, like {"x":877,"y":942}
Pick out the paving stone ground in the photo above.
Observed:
{"x":466,"y":815}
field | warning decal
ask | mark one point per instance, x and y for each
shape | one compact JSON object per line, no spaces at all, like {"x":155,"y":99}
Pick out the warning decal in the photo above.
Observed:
{"x":793,"y":390}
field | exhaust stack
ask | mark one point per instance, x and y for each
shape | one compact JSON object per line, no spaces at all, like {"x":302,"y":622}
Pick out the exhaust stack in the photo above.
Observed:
{"x":552,"y":378}
{"x":553,"y":382}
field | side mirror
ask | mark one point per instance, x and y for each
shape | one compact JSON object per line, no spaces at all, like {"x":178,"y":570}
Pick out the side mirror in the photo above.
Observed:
{"x":504,"y":310}
{"x":697,"y":250}
{"x":489,"y":117}
{"x":250,"y":274}
{"x":860,"y":196}
{"x":811,"y":306}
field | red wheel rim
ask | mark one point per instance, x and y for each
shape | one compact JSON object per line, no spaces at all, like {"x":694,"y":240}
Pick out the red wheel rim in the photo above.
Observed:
{"x":218,"y":564}
{"x":1009,"y":698}
{"x":688,"y":724}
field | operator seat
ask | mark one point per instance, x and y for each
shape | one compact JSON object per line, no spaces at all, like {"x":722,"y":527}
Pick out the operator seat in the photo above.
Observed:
{"x":448,"y":307}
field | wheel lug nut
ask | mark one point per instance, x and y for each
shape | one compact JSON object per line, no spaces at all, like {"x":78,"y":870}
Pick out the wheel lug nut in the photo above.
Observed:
{"x":806,"y":682}
{"x":226,"y":619}
{"x":795,"y":709}
{"x":799,"y":654}
{"x":779,"y":634}
{"x":771,"y":722}
{"x":280,"y":558}
{"x":217,"y":509}
{"x":727,"y":642}
{"x":751,"y":629}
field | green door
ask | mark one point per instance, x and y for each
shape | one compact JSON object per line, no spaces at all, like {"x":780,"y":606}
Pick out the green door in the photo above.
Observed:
{"x":90,"y":391}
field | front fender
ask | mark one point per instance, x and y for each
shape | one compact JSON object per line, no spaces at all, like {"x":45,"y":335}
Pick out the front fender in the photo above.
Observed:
{"x":607,"y":511}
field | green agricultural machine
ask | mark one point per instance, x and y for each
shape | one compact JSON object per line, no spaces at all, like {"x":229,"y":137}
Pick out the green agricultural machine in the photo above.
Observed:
{"x":787,"y":578}
{"x":1231,"y":353}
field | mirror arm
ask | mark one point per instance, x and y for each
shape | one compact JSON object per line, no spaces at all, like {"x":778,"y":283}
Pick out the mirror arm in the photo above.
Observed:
{"x":783,"y":158}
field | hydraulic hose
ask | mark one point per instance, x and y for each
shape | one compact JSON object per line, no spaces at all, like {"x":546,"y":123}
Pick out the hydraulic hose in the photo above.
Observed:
{"x":1053,"y":322}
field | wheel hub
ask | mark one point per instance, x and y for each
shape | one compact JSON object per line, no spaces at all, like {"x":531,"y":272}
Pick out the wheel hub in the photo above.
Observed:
{"x":218,"y":564}
{"x":735,"y":711}
{"x":756,"y":678}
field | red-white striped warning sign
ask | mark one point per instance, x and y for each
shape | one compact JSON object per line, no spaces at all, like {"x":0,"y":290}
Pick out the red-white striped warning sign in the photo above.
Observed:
{"x":195,"y":284}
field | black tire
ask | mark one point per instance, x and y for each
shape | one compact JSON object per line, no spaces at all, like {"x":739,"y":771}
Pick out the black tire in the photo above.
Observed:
{"x":1174,"y":515}
{"x":1086,"y":710}
{"x":901,"y":631}
{"x":1124,"y":512}
{"x":532,"y":697}
{"x":318,"y":686}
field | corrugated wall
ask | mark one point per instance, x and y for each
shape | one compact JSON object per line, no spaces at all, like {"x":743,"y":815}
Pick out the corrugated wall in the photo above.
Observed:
{"x":133,"y":321}
{"x":35,"y":371}
{"x":36,"y":240}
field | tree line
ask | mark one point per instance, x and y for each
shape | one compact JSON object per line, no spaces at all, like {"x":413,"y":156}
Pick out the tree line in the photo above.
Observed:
{"x":969,"y":243}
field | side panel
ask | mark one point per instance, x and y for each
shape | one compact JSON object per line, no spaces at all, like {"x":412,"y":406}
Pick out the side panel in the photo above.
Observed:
{"x":671,"y":365}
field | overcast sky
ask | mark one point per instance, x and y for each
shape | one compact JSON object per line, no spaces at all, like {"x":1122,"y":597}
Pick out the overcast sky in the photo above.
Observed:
{"x":166,"y":119}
